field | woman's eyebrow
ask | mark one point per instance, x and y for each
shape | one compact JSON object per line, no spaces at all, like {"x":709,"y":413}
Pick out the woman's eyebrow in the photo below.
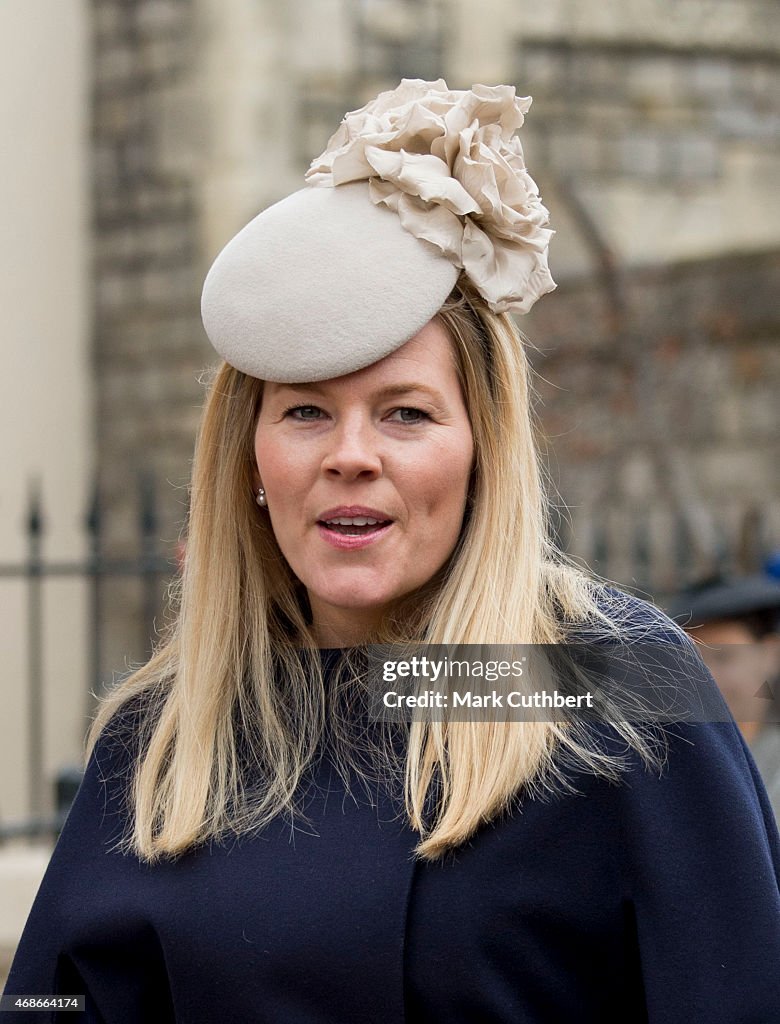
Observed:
{"x":389,"y":391}
{"x":394,"y":390}
{"x":313,"y":387}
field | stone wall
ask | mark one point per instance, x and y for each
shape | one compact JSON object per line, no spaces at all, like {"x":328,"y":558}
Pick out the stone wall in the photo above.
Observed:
{"x":680,"y":24}
{"x":663,"y":115}
{"x":673,"y":151}
{"x":665,"y":422}
{"x":148,"y":345}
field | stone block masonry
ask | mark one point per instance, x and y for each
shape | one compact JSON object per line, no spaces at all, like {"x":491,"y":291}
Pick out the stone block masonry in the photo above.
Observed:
{"x":149,"y":348}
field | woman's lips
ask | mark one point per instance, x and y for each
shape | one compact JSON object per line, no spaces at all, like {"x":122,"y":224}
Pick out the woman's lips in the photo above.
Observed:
{"x":352,"y":541}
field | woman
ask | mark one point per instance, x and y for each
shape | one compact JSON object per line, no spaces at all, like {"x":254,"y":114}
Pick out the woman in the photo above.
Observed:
{"x":248,"y":842}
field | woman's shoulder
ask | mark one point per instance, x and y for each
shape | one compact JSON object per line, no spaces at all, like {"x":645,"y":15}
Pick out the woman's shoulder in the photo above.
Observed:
{"x":116,"y":745}
{"x":624,"y":617}
{"x":640,"y":662}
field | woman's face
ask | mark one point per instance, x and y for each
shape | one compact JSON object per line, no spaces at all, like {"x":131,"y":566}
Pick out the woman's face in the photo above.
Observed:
{"x":366,"y":478}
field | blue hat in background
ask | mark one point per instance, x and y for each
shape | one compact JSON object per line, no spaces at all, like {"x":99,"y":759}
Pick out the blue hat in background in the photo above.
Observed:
{"x":726,"y":597}
{"x":772,"y":565}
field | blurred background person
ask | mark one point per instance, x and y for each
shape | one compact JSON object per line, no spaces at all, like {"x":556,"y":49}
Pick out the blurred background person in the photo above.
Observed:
{"x":736,"y":624}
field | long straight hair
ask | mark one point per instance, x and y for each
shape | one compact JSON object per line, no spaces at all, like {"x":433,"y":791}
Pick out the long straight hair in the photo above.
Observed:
{"x":236,"y":690}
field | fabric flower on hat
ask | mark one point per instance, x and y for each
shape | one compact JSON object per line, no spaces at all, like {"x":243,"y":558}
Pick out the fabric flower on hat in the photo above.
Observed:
{"x":449,"y":164}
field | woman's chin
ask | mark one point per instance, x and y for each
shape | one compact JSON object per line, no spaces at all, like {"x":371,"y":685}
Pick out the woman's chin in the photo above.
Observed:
{"x":361,"y":597}
{"x":372,"y":604}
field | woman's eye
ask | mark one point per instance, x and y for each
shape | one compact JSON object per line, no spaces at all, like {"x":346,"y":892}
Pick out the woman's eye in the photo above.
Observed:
{"x":303,"y":412}
{"x":407,"y":414}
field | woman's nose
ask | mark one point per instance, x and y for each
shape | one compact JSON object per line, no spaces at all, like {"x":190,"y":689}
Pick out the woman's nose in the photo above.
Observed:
{"x":353,"y":451}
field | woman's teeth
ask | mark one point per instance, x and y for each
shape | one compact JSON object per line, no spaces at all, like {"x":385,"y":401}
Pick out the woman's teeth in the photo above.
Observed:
{"x":354,"y":525}
{"x":353,"y":521}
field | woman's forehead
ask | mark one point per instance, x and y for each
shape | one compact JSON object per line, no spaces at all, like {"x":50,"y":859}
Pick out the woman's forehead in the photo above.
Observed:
{"x":425,"y":362}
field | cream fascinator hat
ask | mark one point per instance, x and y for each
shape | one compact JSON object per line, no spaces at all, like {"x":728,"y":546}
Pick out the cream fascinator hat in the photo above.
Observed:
{"x":418,"y":185}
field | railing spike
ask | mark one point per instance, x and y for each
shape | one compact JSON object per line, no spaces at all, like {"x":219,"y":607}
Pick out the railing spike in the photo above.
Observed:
{"x":94,"y":516}
{"x":146,"y":487}
{"x":34,"y":508}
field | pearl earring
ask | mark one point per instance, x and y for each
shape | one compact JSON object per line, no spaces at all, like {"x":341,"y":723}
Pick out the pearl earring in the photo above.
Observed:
{"x":261,"y":499}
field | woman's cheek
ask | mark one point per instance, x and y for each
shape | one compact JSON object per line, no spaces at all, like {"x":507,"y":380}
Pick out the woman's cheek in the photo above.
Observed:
{"x":283,"y":462}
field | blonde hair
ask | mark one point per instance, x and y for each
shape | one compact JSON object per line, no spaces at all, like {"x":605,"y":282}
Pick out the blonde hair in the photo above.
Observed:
{"x":236,"y":690}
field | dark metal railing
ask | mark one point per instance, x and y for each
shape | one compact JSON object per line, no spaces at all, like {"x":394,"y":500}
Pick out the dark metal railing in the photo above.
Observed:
{"x":150,"y":565}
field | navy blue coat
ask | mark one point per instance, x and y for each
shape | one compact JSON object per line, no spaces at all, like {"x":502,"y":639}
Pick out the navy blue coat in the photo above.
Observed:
{"x":655,"y":899}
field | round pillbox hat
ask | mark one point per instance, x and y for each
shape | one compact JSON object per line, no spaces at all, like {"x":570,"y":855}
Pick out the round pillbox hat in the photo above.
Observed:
{"x":420,"y":184}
